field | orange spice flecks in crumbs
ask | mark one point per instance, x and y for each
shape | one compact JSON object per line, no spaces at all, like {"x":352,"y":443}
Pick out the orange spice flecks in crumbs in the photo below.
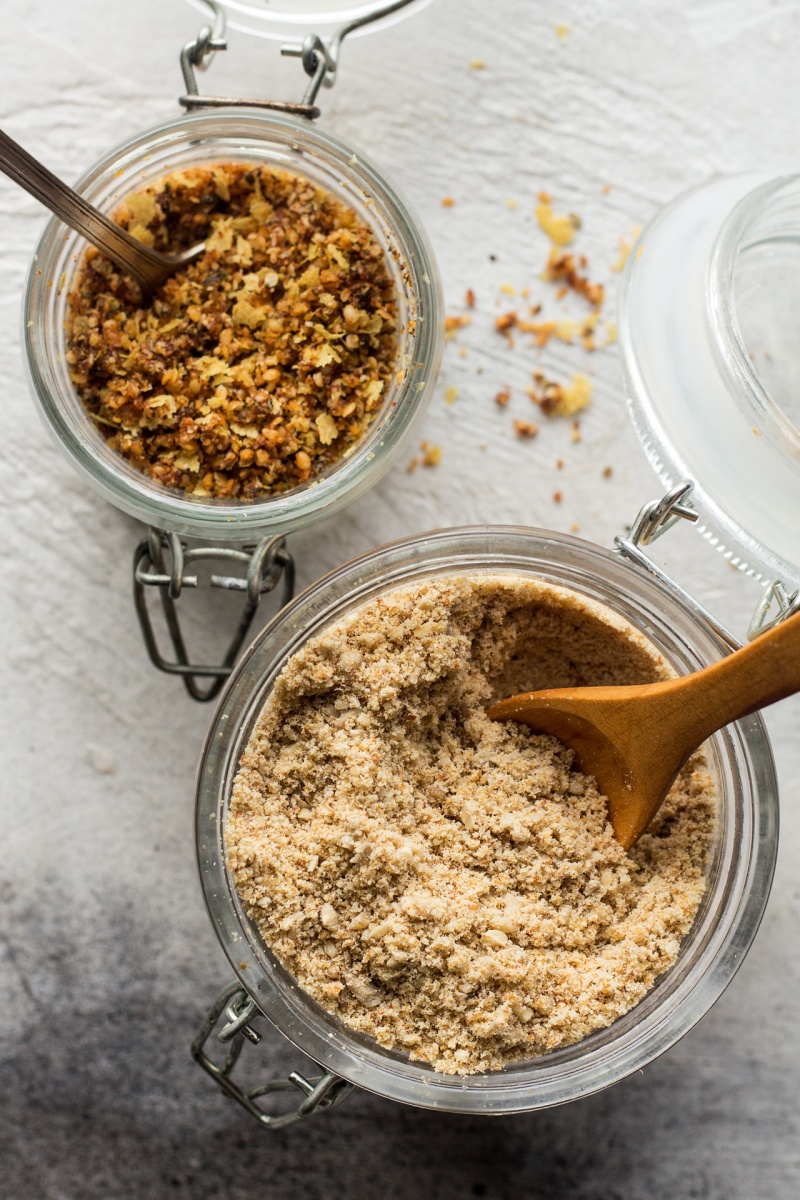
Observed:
{"x":445,"y":884}
{"x":256,"y":366}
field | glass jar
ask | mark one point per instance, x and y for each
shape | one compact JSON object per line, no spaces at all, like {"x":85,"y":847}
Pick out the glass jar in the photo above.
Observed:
{"x":707,"y":330}
{"x":248,"y":136}
{"x":739,"y":871}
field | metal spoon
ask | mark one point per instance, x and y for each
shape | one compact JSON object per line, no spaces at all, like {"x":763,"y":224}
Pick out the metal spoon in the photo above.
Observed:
{"x":147,"y":266}
{"x":634,"y":740}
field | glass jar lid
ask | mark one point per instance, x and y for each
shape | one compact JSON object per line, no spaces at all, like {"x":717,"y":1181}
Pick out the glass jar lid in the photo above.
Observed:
{"x":291,"y":20}
{"x":707,"y":331}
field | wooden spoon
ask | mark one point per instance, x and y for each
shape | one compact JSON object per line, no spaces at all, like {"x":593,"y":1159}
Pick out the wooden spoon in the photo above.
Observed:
{"x":634,"y":740}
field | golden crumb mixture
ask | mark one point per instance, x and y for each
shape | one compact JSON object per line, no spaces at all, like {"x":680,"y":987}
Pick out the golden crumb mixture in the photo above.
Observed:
{"x":448,"y":884}
{"x":259,"y":364}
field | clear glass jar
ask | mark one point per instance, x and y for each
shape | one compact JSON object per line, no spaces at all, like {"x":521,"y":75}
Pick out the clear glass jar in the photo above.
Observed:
{"x":250,"y":136}
{"x":739,"y":872}
{"x":707,"y":330}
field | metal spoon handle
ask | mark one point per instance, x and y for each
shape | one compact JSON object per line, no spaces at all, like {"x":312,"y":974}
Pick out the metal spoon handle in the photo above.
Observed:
{"x":145,"y":265}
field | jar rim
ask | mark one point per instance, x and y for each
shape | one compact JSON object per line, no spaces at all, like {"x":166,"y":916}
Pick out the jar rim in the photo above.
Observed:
{"x":305,"y":149}
{"x":677,"y":1001}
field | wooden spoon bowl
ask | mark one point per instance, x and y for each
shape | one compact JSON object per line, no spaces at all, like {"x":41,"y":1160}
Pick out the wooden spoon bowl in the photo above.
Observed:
{"x":634,"y":740}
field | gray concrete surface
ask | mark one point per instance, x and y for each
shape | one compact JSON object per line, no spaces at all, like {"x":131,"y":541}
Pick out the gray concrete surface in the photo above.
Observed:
{"x":107,"y":961}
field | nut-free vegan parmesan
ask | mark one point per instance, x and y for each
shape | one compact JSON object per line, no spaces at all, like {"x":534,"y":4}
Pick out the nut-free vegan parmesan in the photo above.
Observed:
{"x":447,"y":884}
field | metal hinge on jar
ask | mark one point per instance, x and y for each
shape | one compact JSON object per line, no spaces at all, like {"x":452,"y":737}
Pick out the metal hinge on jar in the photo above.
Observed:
{"x":659,"y":516}
{"x":320,"y":61}
{"x":161,"y":561}
{"x":239,"y":1010}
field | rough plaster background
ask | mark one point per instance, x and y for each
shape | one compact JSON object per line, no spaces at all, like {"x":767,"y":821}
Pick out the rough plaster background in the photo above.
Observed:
{"x":107,"y":961}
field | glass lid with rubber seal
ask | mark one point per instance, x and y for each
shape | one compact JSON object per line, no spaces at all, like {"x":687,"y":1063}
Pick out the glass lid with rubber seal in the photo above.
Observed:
{"x":288,"y":19}
{"x":712,"y":362}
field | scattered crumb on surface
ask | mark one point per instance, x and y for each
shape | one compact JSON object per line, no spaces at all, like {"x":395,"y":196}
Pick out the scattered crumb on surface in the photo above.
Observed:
{"x":447,"y":201}
{"x":559,"y":227}
{"x":502,"y":398}
{"x":564,"y":267}
{"x":449,"y":885}
{"x":431,"y":455}
{"x":525,"y":429}
{"x":450,"y":395}
{"x":561,"y":400}
{"x":453,"y":324}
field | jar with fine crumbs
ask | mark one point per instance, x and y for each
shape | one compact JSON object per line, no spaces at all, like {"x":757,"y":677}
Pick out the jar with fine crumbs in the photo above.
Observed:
{"x":738,"y":873}
{"x":710,"y":366}
{"x":280,"y":136}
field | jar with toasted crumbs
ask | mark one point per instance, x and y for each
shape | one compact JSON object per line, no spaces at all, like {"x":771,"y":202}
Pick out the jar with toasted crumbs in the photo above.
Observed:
{"x":738,"y":870}
{"x":282,"y":137}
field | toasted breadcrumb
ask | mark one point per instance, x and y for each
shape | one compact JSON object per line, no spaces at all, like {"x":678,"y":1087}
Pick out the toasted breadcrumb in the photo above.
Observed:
{"x":453,"y":324}
{"x":445,"y":884}
{"x":431,"y":455}
{"x":559,"y":227}
{"x":567,"y":268}
{"x":561,"y":400}
{"x":258,"y":365}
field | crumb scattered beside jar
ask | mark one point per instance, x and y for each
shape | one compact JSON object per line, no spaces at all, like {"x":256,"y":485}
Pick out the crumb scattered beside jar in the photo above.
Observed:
{"x":259,"y":365}
{"x":446,"y":884}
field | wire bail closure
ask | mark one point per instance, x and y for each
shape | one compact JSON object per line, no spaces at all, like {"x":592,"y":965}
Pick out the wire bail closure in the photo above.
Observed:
{"x":233,"y":1003}
{"x":160,"y":561}
{"x":320,"y":61}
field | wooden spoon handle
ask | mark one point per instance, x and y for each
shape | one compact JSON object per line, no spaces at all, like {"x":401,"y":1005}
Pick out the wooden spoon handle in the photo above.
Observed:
{"x":757,"y":675}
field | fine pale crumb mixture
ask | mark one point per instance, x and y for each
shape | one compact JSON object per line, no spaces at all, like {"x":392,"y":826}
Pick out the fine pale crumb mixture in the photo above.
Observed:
{"x":444,"y":883}
{"x":255,"y":367}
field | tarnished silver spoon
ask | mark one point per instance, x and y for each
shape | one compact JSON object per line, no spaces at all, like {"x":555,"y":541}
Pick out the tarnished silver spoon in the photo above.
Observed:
{"x":147,"y":266}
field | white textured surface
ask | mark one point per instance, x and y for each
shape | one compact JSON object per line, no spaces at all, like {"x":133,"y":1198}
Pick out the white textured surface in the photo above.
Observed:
{"x":107,"y":961}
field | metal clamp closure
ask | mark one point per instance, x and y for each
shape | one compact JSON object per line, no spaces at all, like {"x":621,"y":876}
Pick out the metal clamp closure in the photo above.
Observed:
{"x":658,"y":516}
{"x":655,"y":519}
{"x":161,"y":559}
{"x":197,"y":55}
{"x":765,"y":617}
{"x":233,"y":1002}
{"x":320,"y":61}
{"x":776,"y":603}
